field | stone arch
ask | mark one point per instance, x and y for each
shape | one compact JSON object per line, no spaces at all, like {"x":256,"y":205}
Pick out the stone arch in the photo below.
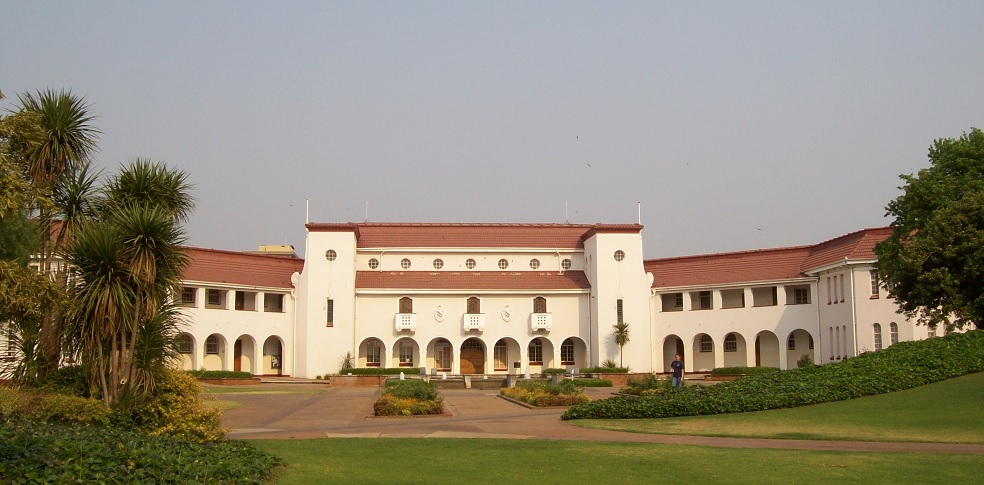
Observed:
{"x":244,"y":354}
{"x":576,"y":347}
{"x":215,"y":350}
{"x":406,"y":353}
{"x":546,"y":351}
{"x":799,"y":342}
{"x":506,"y":354}
{"x":767,"y":349}
{"x":273,"y":360}
{"x":186,"y":350}
{"x":440,"y":355}
{"x":735,"y":350}
{"x":472,"y":356}
{"x":703,"y":353}
{"x":672,"y":345}
{"x":372,"y":352}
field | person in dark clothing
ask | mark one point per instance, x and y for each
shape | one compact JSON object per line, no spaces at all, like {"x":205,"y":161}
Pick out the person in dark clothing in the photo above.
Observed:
{"x":677,"y":366}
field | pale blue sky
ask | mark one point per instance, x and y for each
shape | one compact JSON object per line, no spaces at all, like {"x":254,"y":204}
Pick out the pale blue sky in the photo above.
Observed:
{"x":737,"y":125}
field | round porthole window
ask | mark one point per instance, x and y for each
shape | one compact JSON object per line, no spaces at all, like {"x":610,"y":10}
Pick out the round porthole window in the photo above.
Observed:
{"x":566,"y":264}
{"x":470,"y":264}
{"x":619,"y":255}
{"x":438,"y":263}
{"x":503,"y":263}
{"x":373,"y":263}
{"x":534,"y":263}
{"x":405,"y":263}
{"x":330,"y":255}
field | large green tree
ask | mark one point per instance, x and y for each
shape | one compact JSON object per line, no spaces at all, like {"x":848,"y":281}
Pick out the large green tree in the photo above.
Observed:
{"x":933,"y":263}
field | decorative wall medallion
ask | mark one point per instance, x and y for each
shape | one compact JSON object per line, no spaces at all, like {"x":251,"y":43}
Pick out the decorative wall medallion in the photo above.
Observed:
{"x":439,"y":314}
{"x":507,"y":313}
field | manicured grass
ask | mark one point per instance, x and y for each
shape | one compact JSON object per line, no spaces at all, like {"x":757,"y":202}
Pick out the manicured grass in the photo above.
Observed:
{"x":419,"y":460}
{"x":945,"y":412}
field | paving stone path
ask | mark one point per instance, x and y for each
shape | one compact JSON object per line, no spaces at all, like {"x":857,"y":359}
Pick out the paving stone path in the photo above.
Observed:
{"x":347,"y":412}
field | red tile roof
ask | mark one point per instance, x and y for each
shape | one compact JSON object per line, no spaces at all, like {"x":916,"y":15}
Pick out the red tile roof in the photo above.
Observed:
{"x":764,"y":264}
{"x":237,"y":268}
{"x":472,"y":235}
{"x":471,"y":280}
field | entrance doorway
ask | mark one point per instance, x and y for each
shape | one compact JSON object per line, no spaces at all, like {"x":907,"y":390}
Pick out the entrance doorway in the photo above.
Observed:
{"x":472,"y":357}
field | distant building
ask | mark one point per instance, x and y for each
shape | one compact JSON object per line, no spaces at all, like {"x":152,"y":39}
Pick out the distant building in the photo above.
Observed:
{"x":507,"y":298}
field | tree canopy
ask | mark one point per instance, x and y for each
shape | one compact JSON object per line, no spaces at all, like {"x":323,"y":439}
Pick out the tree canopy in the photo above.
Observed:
{"x":933,"y":263}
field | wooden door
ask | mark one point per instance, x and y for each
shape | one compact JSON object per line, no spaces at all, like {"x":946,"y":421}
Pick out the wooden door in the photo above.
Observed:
{"x":472,"y":361}
{"x":237,"y":362}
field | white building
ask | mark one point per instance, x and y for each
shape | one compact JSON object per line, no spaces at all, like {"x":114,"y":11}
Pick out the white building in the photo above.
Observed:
{"x":504,"y":298}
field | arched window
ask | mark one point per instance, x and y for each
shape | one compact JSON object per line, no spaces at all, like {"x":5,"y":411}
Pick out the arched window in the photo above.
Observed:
{"x":791,"y":342}
{"x":706,"y":343}
{"x":878,"y":336}
{"x":500,"y":355}
{"x":474,"y":306}
{"x":212,"y":345}
{"x":893,"y":332}
{"x":373,"y":353}
{"x":731,"y":343}
{"x":406,"y":305}
{"x":406,"y":353}
{"x":567,"y":352}
{"x":539,"y":305}
{"x":442,"y":355}
{"x":536,"y":352}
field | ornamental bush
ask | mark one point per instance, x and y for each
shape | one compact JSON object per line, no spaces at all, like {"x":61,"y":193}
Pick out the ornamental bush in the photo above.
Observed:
{"x":177,"y":409}
{"x":219,"y":374}
{"x":381,"y":371}
{"x":742,"y":371}
{"x":647,"y":386}
{"x":43,"y":407}
{"x":408,"y":398}
{"x":902,"y":366}
{"x":542,"y":393}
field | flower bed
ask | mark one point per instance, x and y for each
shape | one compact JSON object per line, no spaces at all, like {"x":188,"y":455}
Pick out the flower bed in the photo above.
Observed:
{"x":409,"y":398}
{"x":543,"y":394}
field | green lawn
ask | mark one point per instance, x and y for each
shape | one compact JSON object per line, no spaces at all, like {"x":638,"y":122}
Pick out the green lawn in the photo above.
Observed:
{"x":944,"y":412}
{"x":422,"y":460}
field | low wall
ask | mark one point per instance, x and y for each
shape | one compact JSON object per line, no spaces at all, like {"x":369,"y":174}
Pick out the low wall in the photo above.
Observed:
{"x":358,"y":381}
{"x":231,"y":382}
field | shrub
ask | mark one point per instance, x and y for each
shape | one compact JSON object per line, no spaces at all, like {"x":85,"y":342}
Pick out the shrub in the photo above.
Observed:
{"x":902,"y":366}
{"x":381,"y":371}
{"x":70,"y":380}
{"x":742,"y":371}
{"x":42,"y":407}
{"x":647,"y":386}
{"x":408,"y":398}
{"x":554,"y":370}
{"x":75,"y":453}
{"x":806,"y":360}
{"x":178,"y":410}
{"x":605,"y":370}
{"x":219,"y":374}
{"x":541,"y":393}
{"x":592,"y":382}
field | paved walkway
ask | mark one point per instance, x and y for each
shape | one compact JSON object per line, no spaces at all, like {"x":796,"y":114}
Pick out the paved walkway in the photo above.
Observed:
{"x":347,"y":412}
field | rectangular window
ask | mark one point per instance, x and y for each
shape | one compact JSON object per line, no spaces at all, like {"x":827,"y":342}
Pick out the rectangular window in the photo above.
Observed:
{"x":184,"y":344}
{"x":731,"y":343}
{"x":798,"y":295}
{"x":406,"y":354}
{"x":842,"y":288}
{"x":246,"y":301}
{"x":701,"y":300}
{"x":215,"y":298}
{"x":536,"y":354}
{"x":211,"y":345}
{"x":874,"y":283}
{"x":619,"y":315}
{"x":273,"y":302}
{"x":567,"y":353}
{"x":500,"y":355}
{"x":791,"y":343}
{"x":188,"y":296}
{"x":765,"y":296}
{"x":373,"y":354}
{"x":672,"y":302}
{"x":706,"y":344}
{"x":330,"y":306}
{"x":828,"y":291}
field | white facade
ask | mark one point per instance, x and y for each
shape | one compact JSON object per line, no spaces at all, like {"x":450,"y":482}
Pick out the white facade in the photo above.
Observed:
{"x":515,"y":298}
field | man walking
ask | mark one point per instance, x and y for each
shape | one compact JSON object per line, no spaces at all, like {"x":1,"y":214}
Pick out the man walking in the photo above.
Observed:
{"x":677,"y":366}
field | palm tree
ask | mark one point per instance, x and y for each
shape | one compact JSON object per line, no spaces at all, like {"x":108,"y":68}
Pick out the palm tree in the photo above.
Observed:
{"x":621,"y":335}
{"x":63,"y":145}
{"x":129,"y":263}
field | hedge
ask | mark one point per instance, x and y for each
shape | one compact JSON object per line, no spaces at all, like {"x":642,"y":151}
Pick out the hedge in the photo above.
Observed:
{"x":902,"y":366}
{"x":380,"y":371}
{"x":219,"y":374}
{"x":604,"y":370}
{"x":742,"y":371}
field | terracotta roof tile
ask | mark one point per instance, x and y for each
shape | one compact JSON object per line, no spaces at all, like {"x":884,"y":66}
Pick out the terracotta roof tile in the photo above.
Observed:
{"x":471,"y":280}
{"x":764,"y":264}
{"x":237,"y":268}
{"x":458,"y":235}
